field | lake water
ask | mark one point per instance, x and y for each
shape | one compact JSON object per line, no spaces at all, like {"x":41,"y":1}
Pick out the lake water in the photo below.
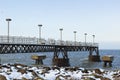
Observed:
{"x":79,"y":59}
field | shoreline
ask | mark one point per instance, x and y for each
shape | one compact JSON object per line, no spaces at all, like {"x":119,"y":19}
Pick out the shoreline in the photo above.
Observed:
{"x":23,"y":72}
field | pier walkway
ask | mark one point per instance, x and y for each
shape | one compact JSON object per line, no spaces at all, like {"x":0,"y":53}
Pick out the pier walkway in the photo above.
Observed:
{"x":28,"y":45}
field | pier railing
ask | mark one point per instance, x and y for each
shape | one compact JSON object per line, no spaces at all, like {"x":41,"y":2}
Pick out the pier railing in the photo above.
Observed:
{"x":34,"y":40}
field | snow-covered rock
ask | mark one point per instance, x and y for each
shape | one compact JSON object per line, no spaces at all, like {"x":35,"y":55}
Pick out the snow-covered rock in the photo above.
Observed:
{"x":24,"y":72}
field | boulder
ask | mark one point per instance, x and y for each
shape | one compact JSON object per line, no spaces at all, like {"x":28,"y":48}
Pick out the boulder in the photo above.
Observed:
{"x":38,"y":78}
{"x":98,"y":71}
{"x":22,"y":71}
{"x":2,"y":77}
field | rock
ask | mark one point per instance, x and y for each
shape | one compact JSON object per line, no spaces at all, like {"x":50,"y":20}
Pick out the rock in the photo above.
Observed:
{"x":85,"y":71}
{"x":2,"y":77}
{"x":5,"y":66}
{"x":56,"y":68}
{"x":71,"y":69}
{"x":44,"y":71}
{"x":22,"y":65}
{"x":101,"y":77}
{"x":97,"y":76}
{"x":76,"y":68}
{"x":30,"y":70}
{"x":0,"y":67}
{"x":104,"y":78}
{"x":22,"y":71}
{"x":63,"y":77}
{"x":38,"y":78}
{"x":68,"y":69}
{"x":34,"y":74}
{"x":19,"y":66}
{"x":47,"y":68}
{"x":58,"y":77}
{"x":88,"y":78}
{"x":116,"y":76}
{"x":24,"y":78}
{"x":98,"y":71}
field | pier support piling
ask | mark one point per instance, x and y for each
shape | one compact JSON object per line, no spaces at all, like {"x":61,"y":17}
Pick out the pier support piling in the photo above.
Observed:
{"x":64,"y":60}
{"x":95,"y":58}
{"x":107,"y":62}
{"x":38,"y":59}
{"x":107,"y":59}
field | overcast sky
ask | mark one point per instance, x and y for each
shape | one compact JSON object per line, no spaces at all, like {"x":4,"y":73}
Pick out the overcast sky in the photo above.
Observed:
{"x":98,"y":17}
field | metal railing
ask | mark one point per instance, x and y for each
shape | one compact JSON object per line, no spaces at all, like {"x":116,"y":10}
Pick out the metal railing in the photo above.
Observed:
{"x":34,"y":40}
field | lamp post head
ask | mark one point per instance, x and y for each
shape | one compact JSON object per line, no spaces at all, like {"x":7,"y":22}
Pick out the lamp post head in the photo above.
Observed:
{"x":93,"y":35}
{"x":8,"y":19}
{"x":40,"y":25}
{"x":85,"y":34}
{"x":75,"y":31}
{"x":61,"y":29}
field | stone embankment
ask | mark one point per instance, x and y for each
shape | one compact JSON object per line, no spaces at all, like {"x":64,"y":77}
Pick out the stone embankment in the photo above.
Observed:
{"x":24,"y":72}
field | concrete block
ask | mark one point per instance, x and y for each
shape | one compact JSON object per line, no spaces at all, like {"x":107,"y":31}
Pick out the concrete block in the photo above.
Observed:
{"x":108,"y":58}
{"x":38,"y":57}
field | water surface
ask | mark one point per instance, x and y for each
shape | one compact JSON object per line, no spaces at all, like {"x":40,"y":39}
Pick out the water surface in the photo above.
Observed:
{"x":79,"y":59}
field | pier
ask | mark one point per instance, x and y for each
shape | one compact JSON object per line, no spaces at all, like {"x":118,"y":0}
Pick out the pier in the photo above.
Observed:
{"x":30,"y":45}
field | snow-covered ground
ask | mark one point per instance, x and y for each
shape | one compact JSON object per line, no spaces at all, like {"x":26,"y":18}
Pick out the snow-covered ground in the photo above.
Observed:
{"x":24,"y":72}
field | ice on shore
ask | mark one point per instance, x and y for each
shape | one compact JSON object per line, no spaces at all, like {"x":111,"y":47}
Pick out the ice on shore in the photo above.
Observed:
{"x":24,"y":72}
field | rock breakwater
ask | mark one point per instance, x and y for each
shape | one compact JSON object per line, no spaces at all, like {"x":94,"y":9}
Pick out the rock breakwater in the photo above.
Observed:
{"x":24,"y":72}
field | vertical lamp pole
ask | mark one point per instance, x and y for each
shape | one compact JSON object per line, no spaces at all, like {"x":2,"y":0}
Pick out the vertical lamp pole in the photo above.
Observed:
{"x":85,"y":38}
{"x":8,"y":20}
{"x":75,"y":36}
{"x":39,"y":25}
{"x":61,"y":29}
{"x":93,"y":38}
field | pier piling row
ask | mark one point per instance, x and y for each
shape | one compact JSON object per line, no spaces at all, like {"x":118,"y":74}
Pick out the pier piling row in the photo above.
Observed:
{"x":57,"y":49}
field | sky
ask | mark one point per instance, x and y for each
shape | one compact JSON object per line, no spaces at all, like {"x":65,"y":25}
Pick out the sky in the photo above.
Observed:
{"x":94,"y":17}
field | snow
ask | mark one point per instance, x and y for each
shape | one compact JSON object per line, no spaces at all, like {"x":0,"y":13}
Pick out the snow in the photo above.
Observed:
{"x":15,"y":75}
{"x":77,"y":75}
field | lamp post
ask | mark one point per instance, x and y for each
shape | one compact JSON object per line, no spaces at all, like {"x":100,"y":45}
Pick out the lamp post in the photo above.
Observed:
{"x":75,"y":36}
{"x":8,"y":20}
{"x":93,"y":38}
{"x":39,"y":25}
{"x":85,"y":37}
{"x":61,"y":29}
